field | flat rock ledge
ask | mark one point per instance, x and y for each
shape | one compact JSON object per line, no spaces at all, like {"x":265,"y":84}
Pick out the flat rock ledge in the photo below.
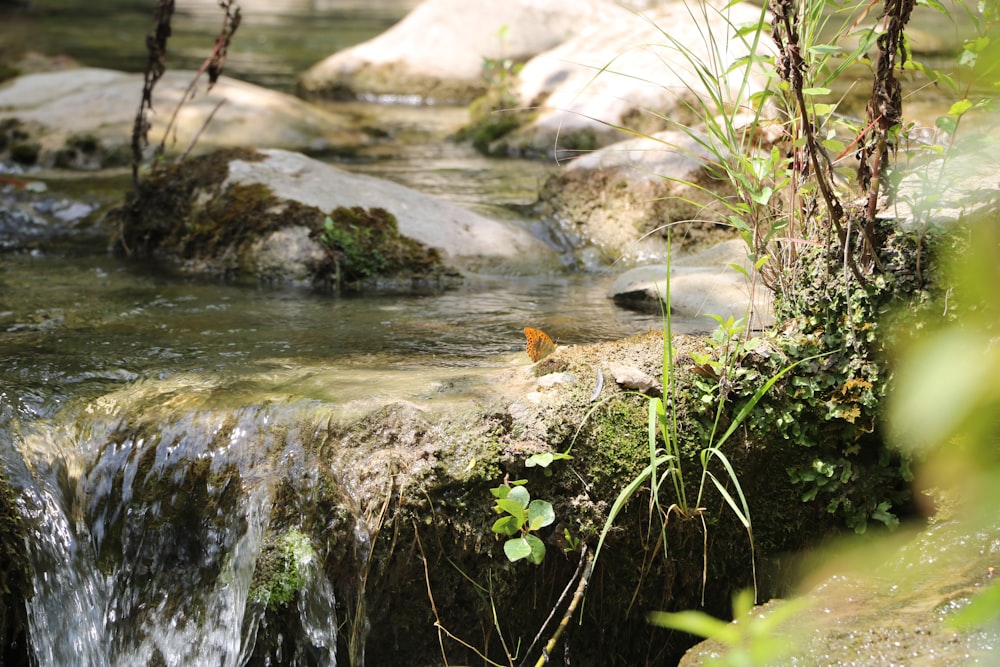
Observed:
{"x":701,"y":285}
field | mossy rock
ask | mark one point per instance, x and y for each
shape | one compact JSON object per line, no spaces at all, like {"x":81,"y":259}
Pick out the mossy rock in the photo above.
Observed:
{"x":189,"y":216}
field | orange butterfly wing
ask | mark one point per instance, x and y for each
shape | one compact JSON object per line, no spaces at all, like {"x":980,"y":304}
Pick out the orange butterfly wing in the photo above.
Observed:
{"x":539,"y":344}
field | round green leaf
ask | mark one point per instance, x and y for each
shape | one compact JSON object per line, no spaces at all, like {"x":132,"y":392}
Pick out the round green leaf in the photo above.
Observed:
{"x":517,"y":549}
{"x":507,"y":525}
{"x":543,"y":460}
{"x":520,"y":495}
{"x":536,"y":549}
{"x":540,"y":514}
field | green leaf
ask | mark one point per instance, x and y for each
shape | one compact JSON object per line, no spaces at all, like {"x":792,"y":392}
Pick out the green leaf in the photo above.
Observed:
{"x":815,"y":91}
{"x":941,"y":384}
{"x":507,"y":525}
{"x":825,"y":49}
{"x":517,"y":549}
{"x":540,"y":514}
{"x":947,"y":124}
{"x":960,"y":107}
{"x":696,"y":623}
{"x":519,"y":494}
{"x":545,"y":459}
{"x":934,"y":4}
{"x":536,"y":549}
{"x":835,"y":146}
{"x":763,"y":196}
{"x":542,"y":460}
{"x":513,"y":508}
{"x":824,"y":109}
{"x":983,"y":609}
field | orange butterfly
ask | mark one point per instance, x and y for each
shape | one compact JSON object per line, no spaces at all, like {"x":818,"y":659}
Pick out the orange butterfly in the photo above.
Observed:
{"x":539,"y":344}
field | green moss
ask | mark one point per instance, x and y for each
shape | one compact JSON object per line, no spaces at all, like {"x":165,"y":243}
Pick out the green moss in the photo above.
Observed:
{"x":79,"y":150}
{"x":364,"y":243}
{"x":285,"y":567}
{"x":491,"y":117}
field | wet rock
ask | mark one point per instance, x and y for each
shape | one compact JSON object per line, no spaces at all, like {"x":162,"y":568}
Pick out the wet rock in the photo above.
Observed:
{"x":703,"y":284}
{"x":949,"y":189}
{"x":435,"y":54}
{"x":291,"y":525}
{"x":263,"y":216}
{"x":83,"y":117}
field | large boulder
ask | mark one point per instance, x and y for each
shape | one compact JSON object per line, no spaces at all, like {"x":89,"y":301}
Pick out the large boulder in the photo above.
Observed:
{"x":84,"y":117}
{"x":636,"y":71}
{"x":618,"y":204}
{"x":436,"y":53}
{"x":264,"y":215}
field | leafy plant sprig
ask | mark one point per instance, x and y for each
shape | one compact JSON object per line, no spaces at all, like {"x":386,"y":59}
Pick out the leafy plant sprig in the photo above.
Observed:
{"x":522,"y":517}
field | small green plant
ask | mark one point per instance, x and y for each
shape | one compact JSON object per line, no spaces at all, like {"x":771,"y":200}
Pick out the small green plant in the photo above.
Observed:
{"x":501,"y":74}
{"x":522,"y":516}
{"x":349,"y":244}
{"x":545,"y":459}
{"x":289,"y":563}
{"x":496,"y":112}
{"x":665,"y":465}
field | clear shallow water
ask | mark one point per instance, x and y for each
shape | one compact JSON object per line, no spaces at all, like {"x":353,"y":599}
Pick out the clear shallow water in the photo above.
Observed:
{"x":80,"y":324}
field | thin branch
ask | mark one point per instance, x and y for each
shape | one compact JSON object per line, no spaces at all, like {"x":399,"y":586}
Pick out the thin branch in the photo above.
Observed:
{"x":555,"y":607}
{"x":581,"y":588}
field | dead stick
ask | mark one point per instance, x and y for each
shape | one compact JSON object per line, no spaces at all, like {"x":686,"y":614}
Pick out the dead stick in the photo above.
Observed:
{"x":581,"y":588}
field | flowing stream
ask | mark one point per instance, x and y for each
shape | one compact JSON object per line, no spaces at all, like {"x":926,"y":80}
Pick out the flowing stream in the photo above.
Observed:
{"x":150,"y":423}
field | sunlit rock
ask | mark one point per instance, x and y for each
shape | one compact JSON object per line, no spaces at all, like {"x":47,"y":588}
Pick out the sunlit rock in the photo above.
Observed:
{"x":704,"y":284}
{"x":635,"y":71}
{"x":84,"y":117}
{"x":619,"y":203}
{"x":436,"y":53}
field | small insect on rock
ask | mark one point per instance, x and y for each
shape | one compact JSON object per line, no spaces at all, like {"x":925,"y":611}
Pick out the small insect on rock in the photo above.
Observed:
{"x":539,"y":344}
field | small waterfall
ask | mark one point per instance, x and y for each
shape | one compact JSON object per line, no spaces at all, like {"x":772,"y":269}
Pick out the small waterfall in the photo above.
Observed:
{"x":177,"y":541}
